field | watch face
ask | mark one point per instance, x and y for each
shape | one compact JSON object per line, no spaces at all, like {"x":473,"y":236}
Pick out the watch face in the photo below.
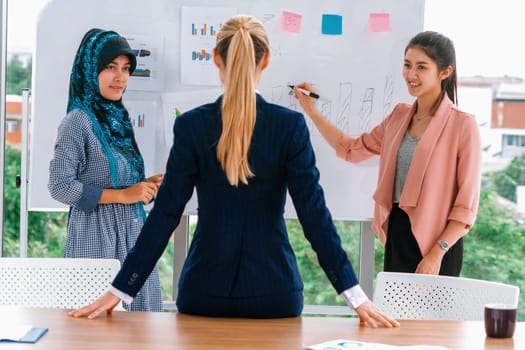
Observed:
{"x":443,"y":244}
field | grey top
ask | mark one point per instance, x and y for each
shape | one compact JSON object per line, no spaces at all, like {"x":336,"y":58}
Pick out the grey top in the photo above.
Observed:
{"x":404,"y":158}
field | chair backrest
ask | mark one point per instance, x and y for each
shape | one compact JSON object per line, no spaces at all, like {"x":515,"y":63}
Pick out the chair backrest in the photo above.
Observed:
{"x":431,"y":297}
{"x":61,"y":283}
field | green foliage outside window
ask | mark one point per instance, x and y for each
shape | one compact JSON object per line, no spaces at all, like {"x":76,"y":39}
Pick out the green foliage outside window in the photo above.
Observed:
{"x":18,"y":76}
{"x":505,"y":182}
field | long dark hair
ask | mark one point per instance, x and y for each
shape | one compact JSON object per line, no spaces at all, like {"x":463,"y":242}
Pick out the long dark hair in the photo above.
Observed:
{"x":441,"y":50}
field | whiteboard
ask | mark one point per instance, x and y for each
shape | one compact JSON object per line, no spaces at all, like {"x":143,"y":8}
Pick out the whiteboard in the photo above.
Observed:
{"x":357,"y":73}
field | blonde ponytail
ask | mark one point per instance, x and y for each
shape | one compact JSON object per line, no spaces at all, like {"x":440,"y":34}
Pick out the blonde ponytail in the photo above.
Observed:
{"x":241,"y":44}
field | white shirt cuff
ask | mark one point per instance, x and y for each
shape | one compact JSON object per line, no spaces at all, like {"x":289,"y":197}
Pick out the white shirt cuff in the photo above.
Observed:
{"x":119,"y":294}
{"x":354,"y":296}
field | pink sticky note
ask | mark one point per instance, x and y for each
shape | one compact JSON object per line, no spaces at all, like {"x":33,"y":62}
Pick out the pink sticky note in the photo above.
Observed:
{"x":291,"y":22}
{"x":379,"y":22}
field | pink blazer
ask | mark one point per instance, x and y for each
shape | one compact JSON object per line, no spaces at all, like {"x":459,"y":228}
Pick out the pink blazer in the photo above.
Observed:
{"x":443,"y":182}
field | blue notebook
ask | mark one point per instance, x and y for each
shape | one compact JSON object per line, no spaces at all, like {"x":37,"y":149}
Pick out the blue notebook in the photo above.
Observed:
{"x":21,"y":334}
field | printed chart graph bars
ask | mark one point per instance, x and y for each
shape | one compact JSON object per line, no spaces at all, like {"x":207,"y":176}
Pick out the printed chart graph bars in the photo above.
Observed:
{"x":205,"y":30}
{"x":138,"y":122}
{"x":201,"y":55}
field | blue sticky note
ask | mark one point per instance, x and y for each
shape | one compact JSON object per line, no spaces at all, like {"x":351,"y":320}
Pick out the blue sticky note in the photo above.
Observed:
{"x":332,"y":24}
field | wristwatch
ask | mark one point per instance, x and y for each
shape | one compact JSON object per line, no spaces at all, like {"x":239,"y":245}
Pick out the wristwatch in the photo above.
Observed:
{"x":443,"y":244}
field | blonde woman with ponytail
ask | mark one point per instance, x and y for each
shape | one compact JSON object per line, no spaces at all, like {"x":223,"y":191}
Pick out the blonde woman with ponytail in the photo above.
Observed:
{"x":242,"y":154}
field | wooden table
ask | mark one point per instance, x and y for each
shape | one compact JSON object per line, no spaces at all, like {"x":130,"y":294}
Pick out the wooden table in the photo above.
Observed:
{"x":134,"y":330}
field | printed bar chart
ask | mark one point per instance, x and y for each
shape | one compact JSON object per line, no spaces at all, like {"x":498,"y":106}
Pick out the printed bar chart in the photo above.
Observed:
{"x":205,"y":30}
{"x":201,"y":55}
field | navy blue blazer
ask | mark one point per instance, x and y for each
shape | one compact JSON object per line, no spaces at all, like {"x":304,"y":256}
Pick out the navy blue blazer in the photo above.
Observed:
{"x":240,"y":247}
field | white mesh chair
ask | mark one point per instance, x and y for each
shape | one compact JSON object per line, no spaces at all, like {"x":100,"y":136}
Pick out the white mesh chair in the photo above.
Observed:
{"x":431,"y":297}
{"x":60,"y":283}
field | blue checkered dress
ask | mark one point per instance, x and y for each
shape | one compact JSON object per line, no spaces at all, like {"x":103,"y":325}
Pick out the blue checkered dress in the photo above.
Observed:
{"x":78,"y":172}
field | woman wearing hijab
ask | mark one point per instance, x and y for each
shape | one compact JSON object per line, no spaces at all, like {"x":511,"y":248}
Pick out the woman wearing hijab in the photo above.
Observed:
{"x":97,"y":169}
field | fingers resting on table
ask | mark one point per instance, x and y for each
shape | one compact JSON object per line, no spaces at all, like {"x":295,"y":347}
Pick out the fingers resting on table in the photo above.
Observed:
{"x":105,"y":303}
{"x":372,"y":316}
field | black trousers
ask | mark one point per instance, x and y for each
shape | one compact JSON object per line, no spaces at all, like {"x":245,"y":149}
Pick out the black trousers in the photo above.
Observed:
{"x":402,"y":253}
{"x":271,"y":306}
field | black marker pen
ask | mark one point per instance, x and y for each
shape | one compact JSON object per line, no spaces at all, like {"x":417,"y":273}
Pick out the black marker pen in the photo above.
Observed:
{"x":306,"y":92}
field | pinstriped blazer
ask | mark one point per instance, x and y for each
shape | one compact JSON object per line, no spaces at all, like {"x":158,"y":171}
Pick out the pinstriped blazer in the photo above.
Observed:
{"x":240,"y":247}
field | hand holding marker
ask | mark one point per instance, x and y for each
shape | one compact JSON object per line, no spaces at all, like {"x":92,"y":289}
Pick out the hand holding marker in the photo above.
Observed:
{"x":306,"y":92}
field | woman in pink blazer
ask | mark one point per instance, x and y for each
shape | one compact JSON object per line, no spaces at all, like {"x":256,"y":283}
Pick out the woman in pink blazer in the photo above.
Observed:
{"x":429,"y":163}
